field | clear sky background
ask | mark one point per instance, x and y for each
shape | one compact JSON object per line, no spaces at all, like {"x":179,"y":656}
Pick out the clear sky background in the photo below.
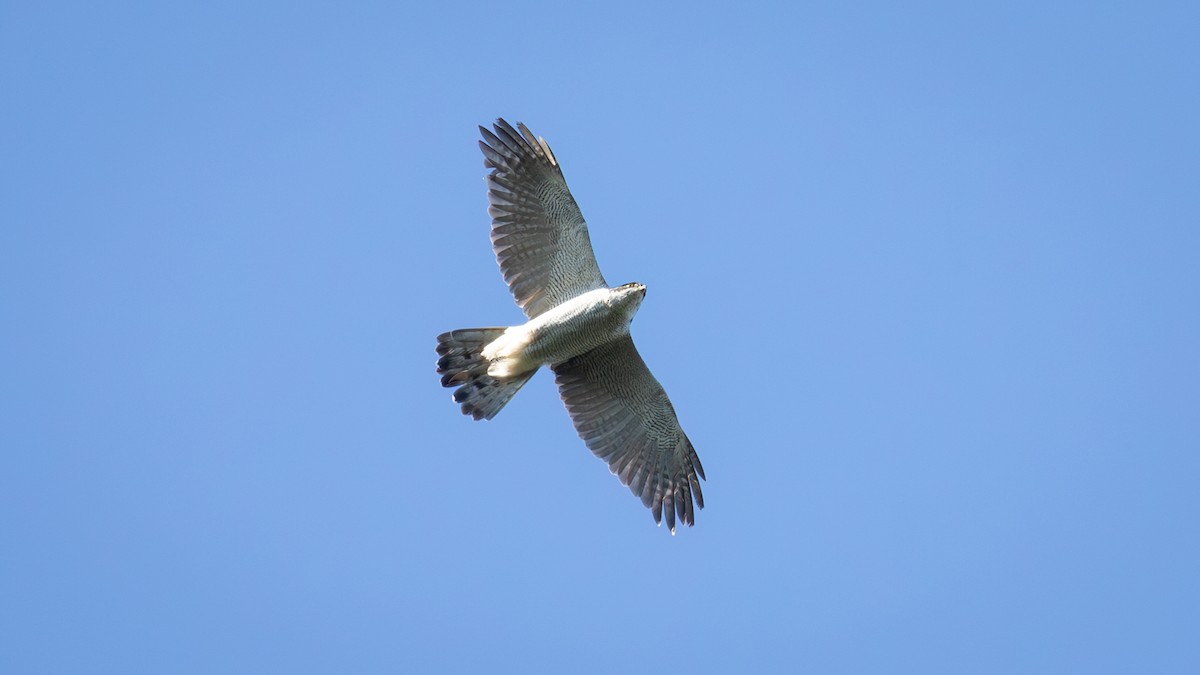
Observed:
{"x":924,"y":286}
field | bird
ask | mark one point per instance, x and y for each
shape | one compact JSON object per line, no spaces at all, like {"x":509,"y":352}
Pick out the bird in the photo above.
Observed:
{"x":576,"y":324}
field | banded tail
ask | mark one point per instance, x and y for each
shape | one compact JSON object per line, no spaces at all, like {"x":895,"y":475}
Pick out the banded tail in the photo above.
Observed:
{"x":462,"y":365}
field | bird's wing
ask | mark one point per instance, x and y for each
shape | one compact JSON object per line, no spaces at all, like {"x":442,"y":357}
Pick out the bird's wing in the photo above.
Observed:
{"x":538,"y":234}
{"x":626,"y":419}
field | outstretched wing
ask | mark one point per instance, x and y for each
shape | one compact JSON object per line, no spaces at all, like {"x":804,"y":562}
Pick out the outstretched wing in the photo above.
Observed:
{"x":626,"y":419}
{"x":538,"y":234}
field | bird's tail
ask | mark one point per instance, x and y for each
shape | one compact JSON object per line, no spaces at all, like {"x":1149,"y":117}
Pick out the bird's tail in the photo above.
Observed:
{"x":462,"y":365}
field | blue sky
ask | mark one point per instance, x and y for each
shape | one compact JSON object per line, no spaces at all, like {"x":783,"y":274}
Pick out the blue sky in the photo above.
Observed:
{"x":923,"y":287}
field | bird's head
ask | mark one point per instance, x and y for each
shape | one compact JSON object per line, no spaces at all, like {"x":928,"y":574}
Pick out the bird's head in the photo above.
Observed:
{"x":629,"y":296}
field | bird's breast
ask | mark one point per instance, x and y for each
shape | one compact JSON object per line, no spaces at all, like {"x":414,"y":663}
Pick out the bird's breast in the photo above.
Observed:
{"x":577,"y":326}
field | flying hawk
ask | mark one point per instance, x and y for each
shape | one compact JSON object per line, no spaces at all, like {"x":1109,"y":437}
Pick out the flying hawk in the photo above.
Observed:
{"x":577,"y":325}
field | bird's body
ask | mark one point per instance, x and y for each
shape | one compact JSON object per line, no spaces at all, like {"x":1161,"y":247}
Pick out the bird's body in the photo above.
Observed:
{"x":577,"y":325}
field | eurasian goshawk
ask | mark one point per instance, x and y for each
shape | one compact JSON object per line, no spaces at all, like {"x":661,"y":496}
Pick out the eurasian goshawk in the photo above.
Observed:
{"x":577,"y":325}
